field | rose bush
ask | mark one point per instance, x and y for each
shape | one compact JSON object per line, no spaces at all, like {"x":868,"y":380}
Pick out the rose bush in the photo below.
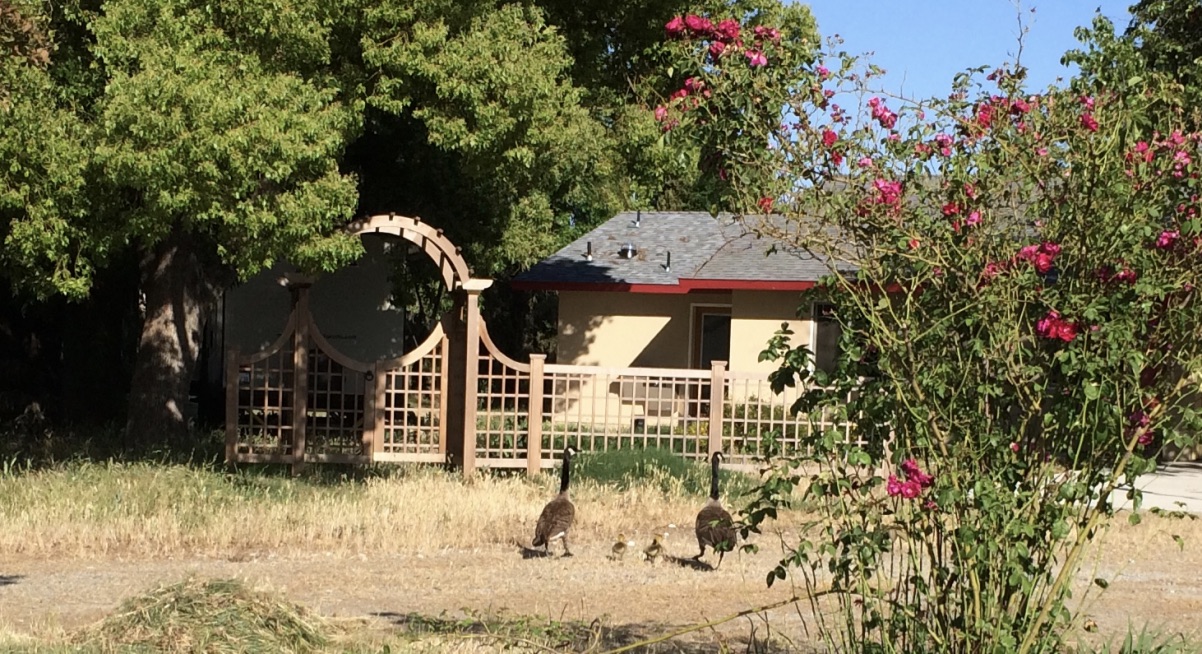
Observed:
{"x":1014,"y":273}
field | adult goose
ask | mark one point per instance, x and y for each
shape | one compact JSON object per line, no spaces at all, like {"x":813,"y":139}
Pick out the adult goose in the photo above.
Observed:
{"x":557,"y":516}
{"x":715,"y":528}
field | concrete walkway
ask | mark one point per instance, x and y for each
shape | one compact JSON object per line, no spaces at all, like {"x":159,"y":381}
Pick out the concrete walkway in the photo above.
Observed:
{"x":1173,"y":487}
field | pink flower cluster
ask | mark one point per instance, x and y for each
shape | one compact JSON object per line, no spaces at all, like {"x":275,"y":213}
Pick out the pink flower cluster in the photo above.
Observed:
{"x":725,"y":35}
{"x":1041,"y":256}
{"x":1167,"y":239}
{"x":687,"y":97}
{"x":1053,"y":326}
{"x":1087,"y":120}
{"x":1139,"y":422}
{"x":881,"y":113}
{"x":887,"y":193}
{"x":914,"y":480}
{"x":1124,"y":275}
{"x":987,"y":112}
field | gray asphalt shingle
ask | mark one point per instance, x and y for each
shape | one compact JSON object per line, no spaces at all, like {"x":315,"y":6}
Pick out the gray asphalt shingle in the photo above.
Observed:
{"x":701,"y":247}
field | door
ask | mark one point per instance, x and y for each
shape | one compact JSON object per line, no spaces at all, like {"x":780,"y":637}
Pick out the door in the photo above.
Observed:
{"x":710,"y":336}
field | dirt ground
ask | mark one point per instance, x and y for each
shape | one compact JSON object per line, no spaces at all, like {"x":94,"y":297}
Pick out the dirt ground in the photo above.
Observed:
{"x":1153,"y":580}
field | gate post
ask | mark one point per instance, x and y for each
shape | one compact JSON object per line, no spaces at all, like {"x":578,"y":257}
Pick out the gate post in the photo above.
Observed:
{"x":464,"y":376}
{"x":300,"y":284}
{"x":534,"y":416}
{"x":717,"y":406}
{"x":232,"y":379}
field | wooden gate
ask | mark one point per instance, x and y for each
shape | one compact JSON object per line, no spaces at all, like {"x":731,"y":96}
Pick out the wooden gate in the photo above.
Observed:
{"x":301,"y":401}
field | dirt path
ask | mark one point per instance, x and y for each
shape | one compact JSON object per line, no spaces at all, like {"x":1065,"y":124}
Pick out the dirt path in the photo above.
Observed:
{"x":1152,"y":580}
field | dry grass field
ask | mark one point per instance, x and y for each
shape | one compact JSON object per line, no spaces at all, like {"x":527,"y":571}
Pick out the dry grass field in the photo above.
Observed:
{"x":419,"y":560}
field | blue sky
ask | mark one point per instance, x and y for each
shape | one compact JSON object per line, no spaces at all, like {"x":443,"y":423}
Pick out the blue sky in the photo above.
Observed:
{"x":924,"y":43}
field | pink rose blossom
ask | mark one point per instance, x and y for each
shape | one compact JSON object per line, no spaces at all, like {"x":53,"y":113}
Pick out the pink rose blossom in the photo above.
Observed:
{"x":1054,"y":327}
{"x":699,"y":25}
{"x":910,"y":490}
{"x":823,"y":72}
{"x":973,"y":218}
{"x":717,"y":48}
{"x":765,"y":204}
{"x":1166,"y":239}
{"x":893,"y":486}
{"x":675,"y":27}
{"x":727,"y":30}
{"x":770,"y":33}
{"x":1014,"y":447}
{"x":755,"y":58}
{"x":915,"y":474}
{"x":661,"y":112}
{"x":1089,"y":122}
{"x":829,"y":137}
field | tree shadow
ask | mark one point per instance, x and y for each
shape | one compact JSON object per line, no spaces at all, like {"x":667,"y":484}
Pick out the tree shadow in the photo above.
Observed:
{"x":9,"y":580}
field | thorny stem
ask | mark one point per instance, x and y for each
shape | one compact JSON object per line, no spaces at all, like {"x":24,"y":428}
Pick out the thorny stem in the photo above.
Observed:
{"x":1074,"y":553}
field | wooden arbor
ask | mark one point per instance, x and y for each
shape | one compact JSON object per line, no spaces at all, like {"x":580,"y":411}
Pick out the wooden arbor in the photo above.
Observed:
{"x":301,"y":401}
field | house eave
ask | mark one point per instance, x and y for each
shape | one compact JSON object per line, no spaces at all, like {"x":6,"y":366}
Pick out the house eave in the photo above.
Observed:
{"x":683,"y":286}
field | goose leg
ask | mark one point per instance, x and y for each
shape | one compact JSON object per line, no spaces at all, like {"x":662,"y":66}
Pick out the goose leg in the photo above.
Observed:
{"x":720,"y":555}
{"x":566,"y":551}
{"x":700,"y":554}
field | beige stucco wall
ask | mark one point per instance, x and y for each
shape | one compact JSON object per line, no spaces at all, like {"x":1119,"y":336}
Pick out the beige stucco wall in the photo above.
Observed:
{"x":627,"y":329}
{"x":618,"y":330}
{"x":755,"y":317}
{"x":652,"y":330}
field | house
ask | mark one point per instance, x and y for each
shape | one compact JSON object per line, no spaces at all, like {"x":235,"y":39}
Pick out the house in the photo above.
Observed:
{"x":680,"y":290}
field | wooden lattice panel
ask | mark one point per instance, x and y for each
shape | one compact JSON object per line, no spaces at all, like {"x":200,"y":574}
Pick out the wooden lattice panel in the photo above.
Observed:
{"x":336,"y":408}
{"x":596,"y":409}
{"x":502,"y":413}
{"x":414,"y":413}
{"x":265,"y":407}
{"x":752,"y":413}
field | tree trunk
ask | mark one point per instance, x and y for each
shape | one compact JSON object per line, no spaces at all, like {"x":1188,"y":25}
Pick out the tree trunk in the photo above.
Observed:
{"x":177,"y":296}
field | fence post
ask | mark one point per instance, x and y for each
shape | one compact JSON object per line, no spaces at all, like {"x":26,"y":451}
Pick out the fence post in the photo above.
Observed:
{"x":300,"y":378}
{"x":717,"y":404}
{"x":534,"y":416}
{"x":232,"y":375}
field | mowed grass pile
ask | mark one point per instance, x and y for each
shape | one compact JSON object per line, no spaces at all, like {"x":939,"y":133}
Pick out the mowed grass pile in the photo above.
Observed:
{"x":216,"y":616}
{"x":145,"y":509}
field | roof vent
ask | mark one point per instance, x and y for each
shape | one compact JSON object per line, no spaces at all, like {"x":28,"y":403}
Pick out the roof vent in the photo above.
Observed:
{"x":588,"y":253}
{"x":668,"y":263}
{"x":638,"y":217}
{"x":628,"y":251}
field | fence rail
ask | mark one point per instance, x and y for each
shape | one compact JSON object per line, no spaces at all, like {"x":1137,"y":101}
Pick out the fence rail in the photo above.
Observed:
{"x":300,"y":401}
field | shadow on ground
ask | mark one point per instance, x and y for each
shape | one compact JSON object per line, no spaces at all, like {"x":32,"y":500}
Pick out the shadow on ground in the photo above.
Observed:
{"x":574,"y":636}
{"x":9,"y":580}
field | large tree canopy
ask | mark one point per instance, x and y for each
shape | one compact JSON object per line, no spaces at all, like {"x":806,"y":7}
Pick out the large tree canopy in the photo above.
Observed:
{"x":212,"y":139}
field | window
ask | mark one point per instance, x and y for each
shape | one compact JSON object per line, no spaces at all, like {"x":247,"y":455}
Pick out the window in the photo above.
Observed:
{"x":824,"y":341}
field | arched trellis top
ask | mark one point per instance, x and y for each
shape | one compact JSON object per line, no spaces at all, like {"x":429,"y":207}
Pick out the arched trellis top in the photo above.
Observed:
{"x":445,"y":254}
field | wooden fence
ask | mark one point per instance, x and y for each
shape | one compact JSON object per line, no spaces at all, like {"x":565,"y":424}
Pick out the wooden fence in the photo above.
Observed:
{"x":300,"y":401}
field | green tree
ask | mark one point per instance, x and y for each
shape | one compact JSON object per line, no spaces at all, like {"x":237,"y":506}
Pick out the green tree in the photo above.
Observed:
{"x":215,"y":138}
{"x":208,"y":140}
{"x":1167,"y":35}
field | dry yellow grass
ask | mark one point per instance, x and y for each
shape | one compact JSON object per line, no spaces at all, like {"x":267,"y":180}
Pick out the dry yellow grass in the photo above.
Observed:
{"x":107,"y":510}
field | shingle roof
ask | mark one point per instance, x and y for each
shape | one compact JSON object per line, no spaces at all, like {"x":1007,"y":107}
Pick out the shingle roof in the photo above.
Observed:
{"x":701,"y":247}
